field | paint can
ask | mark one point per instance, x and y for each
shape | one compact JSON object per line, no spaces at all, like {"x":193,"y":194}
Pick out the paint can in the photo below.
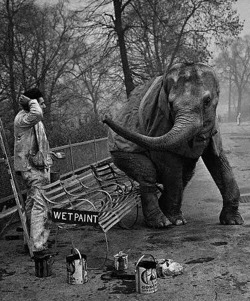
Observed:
{"x":43,"y":265}
{"x":121,"y":261}
{"x":76,"y":267}
{"x":145,"y":275}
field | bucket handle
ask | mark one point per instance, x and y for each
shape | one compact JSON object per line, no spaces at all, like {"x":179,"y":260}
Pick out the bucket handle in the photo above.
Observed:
{"x":142,"y":258}
{"x":80,"y":256}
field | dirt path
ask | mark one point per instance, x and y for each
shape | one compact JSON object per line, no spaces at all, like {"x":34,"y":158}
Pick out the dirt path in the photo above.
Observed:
{"x":215,"y":257}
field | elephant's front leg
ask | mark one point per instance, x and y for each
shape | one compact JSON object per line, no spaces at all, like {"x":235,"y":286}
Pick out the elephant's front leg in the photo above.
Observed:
{"x":153,"y":216}
{"x":140,"y":168}
{"x":222,"y":174}
{"x":171,"y":207}
{"x":174,"y":183}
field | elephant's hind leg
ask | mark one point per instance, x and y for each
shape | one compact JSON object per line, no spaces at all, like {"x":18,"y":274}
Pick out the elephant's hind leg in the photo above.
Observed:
{"x":140,"y":168}
{"x":222,"y":174}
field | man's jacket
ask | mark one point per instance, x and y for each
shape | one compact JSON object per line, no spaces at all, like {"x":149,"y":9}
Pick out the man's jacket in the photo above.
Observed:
{"x":25,"y":125}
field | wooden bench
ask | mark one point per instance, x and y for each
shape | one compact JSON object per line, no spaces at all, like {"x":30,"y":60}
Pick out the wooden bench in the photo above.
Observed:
{"x":111,"y":194}
{"x":114,"y":181}
{"x":245,"y":197}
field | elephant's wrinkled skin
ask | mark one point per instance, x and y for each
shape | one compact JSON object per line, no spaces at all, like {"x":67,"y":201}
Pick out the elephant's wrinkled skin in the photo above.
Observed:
{"x":164,"y":128}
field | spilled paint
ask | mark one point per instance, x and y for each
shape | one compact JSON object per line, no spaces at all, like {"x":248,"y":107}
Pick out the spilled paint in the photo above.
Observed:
{"x":200,"y":260}
{"x":4,"y":273}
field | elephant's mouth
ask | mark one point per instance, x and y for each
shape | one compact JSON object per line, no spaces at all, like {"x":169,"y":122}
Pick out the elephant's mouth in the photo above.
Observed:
{"x":206,"y":133}
{"x":210,"y":133}
{"x":202,"y":137}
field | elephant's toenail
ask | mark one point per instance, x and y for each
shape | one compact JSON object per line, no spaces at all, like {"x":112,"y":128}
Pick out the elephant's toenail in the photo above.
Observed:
{"x":178,"y":222}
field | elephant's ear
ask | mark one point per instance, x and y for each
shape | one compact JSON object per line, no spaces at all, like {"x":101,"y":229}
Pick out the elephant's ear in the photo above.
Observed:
{"x":154,"y":110}
{"x":216,"y":142}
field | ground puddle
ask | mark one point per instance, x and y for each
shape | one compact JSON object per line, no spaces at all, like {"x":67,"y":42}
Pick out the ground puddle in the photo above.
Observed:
{"x":219,"y":243}
{"x":200,"y":260}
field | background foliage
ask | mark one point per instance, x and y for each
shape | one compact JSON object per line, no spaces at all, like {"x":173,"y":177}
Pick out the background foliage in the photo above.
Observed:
{"x":88,"y":60}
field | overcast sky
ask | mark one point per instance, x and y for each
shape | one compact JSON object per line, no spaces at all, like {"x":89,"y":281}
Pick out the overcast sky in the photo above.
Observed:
{"x":243,"y":7}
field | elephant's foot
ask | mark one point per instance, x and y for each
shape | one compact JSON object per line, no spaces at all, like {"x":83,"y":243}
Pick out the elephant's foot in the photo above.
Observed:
{"x":173,"y":212}
{"x":230,"y":216}
{"x":155,"y":218}
{"x":176,"y":218}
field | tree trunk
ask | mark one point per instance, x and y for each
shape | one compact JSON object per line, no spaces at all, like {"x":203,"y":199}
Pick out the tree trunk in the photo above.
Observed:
{"x":129,"y":85}
{"x":239,"y":100}
{"x":10,"y":54}
{"x":230,"y":97}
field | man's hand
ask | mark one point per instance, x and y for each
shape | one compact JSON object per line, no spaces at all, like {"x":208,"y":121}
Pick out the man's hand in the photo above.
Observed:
{"x":24,"y":101}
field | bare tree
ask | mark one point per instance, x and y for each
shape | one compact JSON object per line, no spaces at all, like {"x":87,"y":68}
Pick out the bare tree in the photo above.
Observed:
{"x":234,"y":60}
{"x":94,"y":81}
{"x":152,"y":34}
{"x":163,"y":32}
{"x":9,"y":10}
{"x":119,"y":8}
{"x":108,"y":16}
{"x":41,"y":45}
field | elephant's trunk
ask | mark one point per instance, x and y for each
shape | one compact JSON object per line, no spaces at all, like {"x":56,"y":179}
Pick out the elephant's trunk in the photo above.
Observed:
{"x":182,"y":131}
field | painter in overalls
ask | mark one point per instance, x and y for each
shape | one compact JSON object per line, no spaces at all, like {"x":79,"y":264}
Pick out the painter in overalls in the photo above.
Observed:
{"x":29,"y":133}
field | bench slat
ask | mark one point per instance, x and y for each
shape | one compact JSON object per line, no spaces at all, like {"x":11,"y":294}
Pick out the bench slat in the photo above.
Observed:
{"x":108,"y":219}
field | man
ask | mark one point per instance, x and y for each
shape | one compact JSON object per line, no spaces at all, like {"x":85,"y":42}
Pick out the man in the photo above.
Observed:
{"x":29,"y":133}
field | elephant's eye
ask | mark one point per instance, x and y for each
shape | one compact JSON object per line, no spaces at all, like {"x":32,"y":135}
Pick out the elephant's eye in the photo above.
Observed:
{"x":207,"y":101}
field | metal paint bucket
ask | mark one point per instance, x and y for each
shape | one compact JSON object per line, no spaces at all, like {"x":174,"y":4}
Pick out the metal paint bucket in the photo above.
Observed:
{"x":76,"y":267}
{"x":145,"y":276}
{"x":43,"y":265}
{"x":121,"y":261}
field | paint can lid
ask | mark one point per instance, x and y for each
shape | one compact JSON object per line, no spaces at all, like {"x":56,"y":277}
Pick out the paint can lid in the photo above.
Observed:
{"x":42,"y":257}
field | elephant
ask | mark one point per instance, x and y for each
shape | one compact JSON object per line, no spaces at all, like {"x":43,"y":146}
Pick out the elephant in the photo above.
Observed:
{"x":166,"y":125}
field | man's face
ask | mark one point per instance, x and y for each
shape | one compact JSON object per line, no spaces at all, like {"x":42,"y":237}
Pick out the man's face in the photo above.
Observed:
{"x":41,"y":103}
